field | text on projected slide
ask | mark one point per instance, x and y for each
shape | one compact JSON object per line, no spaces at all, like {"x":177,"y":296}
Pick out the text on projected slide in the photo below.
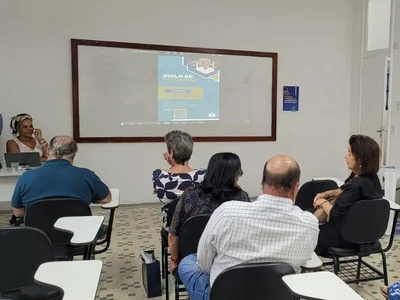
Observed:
{"x":188,"y":88}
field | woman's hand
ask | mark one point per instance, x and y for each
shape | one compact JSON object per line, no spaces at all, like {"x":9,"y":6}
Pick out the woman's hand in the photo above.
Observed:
{"x":318,"y":202}
{"x":320,"y":195}
{"x":38,"y":134}
{"x":172,"y":266}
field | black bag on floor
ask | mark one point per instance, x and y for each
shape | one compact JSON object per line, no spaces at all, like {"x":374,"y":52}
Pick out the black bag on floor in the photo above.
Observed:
{"x":151,"y":274}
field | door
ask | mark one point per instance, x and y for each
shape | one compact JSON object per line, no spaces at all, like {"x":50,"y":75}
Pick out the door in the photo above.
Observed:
{"x":374,"y":100}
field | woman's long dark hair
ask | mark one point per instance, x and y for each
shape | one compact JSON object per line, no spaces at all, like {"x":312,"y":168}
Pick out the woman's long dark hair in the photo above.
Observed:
{"x":367,"y":153}
{"x":220,"y":180}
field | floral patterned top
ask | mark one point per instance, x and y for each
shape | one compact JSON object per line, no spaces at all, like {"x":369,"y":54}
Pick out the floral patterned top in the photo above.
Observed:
{"x":170,"y":186}
{"x":192,"y":204}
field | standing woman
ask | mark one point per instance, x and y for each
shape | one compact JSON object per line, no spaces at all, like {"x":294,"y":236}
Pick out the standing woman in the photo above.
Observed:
{"x":27,"y":138}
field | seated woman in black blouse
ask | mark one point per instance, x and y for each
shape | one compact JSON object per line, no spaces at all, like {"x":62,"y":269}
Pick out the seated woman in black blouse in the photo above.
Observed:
{"x":362,"y":159}
{"x":220,"y":184}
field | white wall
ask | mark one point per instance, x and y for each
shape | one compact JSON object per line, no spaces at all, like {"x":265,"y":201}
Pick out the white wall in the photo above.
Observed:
{"x":313,"y":39}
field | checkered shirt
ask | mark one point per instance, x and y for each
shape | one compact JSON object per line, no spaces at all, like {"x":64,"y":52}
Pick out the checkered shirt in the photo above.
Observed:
{"x":270,"y":229}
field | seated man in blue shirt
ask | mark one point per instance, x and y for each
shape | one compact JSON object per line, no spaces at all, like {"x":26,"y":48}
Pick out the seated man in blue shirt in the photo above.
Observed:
{"x":58,"y":178}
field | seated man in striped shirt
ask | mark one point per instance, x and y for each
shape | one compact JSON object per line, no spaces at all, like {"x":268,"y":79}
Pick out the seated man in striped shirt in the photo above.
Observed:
{"x":270,"y":229}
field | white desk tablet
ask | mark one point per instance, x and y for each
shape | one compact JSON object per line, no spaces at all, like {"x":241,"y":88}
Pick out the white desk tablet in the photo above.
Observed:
{"x":319,"y":285}
{"x":84,"y":229}
{"x":78,"y":279}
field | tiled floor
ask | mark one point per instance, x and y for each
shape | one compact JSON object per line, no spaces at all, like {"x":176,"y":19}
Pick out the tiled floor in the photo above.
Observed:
{"x":137,"y":227}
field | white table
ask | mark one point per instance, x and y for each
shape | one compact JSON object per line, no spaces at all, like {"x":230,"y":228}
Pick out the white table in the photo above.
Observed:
{"x":8,"y":172}
{"x":312,"y":264}
{"x":8,"y":179}
{"x":114,"y":203}
{"x":84,"y":229}
{"x":319,"y":285}
{"x":78,"y":279}
{"x":389,"y":178}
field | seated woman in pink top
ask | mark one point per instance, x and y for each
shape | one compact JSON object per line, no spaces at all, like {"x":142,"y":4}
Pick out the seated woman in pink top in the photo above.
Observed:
{"x":27,"y":138}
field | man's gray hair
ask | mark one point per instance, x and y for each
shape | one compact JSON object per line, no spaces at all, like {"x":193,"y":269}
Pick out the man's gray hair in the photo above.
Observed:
{"x":61,"y":146}
{"x":181,"y":143}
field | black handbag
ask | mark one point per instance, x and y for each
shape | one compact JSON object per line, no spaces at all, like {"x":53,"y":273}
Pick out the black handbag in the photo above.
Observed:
{"x":151,"y":275}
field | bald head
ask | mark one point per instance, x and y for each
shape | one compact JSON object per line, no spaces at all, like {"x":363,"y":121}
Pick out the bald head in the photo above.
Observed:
{"x":62,"y":147}
{"x":281,"y":176}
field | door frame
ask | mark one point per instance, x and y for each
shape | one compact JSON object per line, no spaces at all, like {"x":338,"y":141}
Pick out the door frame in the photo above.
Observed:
{"x":368,"y":54}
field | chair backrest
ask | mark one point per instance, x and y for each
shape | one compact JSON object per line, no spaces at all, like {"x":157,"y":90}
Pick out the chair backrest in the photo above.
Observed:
{"x":170,"y":208}
{"x":190,"y":234}
{"x":22,"y":251}
{"x":308,"y":190}
{"x":366,"y":221}
{"x":255,"y":281}
{"x":43,"y":214}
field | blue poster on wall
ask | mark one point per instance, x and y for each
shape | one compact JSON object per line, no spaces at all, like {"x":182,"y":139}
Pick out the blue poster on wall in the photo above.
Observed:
{"x":290,"y":98}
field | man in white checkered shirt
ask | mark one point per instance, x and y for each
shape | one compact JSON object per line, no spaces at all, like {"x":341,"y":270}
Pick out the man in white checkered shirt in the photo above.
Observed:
{"x":270,"y":229}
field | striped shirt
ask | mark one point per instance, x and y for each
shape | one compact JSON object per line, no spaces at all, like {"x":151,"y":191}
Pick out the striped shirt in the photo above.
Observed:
{"x":270,"y":229}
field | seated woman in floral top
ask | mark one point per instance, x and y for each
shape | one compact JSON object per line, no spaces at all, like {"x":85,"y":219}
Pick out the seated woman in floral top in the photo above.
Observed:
{"x":169,"y":184}
{"x":220,"y":184}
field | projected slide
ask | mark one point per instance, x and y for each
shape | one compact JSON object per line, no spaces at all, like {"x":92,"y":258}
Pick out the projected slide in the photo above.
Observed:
{"x":188,"y":88}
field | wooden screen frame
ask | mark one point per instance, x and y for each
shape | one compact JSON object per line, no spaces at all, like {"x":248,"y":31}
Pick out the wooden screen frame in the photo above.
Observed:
{"x":75,"y":90}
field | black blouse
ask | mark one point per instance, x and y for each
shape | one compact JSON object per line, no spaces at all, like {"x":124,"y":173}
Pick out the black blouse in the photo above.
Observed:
{"x":363,"y":187}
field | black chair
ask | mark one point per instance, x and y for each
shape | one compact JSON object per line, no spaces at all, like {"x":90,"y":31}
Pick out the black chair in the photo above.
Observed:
{"x":107,"y":229}
{"x":308,"y":190}
{"x":189,"y":238}
{"x":255,"y":281}
{"x":22,"y":251}
{"x":170,"y":208}
{"x":43,"y":214}
{"x":363,"y":226}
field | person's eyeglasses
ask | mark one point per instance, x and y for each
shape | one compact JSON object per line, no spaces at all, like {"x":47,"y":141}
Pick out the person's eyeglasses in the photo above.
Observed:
{"x":240,"y":172}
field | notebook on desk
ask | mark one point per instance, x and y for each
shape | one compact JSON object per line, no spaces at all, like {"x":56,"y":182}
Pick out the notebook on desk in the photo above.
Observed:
{"x":31,"y":159}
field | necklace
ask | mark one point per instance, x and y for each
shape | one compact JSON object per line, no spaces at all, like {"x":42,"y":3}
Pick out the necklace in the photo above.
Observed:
{"x":25,"y":140}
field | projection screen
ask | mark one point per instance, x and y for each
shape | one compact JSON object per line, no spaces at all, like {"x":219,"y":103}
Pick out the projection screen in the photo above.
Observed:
{"x":128,"y":92}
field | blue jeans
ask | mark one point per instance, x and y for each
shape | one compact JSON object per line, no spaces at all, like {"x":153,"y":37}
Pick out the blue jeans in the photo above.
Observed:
{"x":394,"y":291}
{"x":195,"y":281}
